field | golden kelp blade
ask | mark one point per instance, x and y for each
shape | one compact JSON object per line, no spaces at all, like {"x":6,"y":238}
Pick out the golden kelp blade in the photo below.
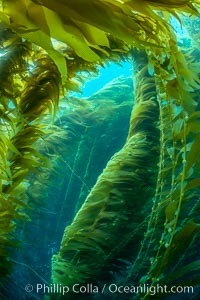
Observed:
{"x":19,"y":20}
{"x":86,"y":26}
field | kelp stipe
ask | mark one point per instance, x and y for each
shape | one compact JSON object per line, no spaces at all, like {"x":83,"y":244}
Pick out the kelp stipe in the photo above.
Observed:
{"x":90,"y":250}
{"x":174,"y":222}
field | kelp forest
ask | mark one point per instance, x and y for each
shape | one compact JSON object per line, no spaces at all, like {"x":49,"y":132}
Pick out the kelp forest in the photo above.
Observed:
{"x":99,"y":195}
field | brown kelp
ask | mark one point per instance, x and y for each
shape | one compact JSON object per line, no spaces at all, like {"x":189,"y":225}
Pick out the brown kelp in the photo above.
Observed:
{"x":174,"y":85}
{"x":65,"y":37}
{"x":177,"y":193}
{"x":88,"y":27}
{"x":20,"y":130}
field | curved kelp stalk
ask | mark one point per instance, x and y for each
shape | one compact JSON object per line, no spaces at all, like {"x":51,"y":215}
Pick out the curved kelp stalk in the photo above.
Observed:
{"x":106,"y":227}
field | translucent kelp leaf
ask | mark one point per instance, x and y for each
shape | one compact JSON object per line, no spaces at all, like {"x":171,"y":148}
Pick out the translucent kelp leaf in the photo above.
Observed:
{"x":193,"y":127}
{"x":177,"y":126}
{"x":9,"y":144}
{"x":27,"y":136}
{"x":3,"y":154}
{"x":36,"y":15}
{"x":4,"y":213}
{"x":94,"y":35}
{"x":170,"y":210}
{"x":194,"y":153}
{"x":180,"y":242}
{"x":25,"y":164}
{"x":194,"y":116}
{"x":192,"y":184}
{"x":193,"y":122}
{"x":173,"y":88}
{"x":69,"y":34}
{"x":41,"y":39}
{"x":24,"y":23}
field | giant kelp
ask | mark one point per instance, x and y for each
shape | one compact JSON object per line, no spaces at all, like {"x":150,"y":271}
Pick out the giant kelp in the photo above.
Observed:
{"x":88,"y":33}
{"x":174,"y":84}
{"x":90,"y":245}
{"x":177,"y":193}
{"x":79,"y":149}
{"x":89,"y":27}
{"x":20,"y":130}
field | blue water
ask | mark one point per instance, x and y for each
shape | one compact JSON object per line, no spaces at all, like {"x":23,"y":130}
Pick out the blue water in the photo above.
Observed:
{"x":106,"y":74}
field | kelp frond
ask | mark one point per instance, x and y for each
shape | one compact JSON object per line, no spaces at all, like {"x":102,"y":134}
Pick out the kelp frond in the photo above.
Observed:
{"x":41,"y":91}
{"x":87,"y":26}
{"x":25,"y":97}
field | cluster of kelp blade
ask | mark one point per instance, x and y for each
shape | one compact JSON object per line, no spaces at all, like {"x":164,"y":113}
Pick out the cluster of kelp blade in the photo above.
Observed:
{"x":43,"y":46}
{"x":20,"y":128}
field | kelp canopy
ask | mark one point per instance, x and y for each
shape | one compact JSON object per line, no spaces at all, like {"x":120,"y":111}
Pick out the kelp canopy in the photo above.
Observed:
{"x":44,"y":46}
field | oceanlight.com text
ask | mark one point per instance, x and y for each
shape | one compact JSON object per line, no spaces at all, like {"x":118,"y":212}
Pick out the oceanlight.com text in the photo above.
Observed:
{"x":108,"y":289}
